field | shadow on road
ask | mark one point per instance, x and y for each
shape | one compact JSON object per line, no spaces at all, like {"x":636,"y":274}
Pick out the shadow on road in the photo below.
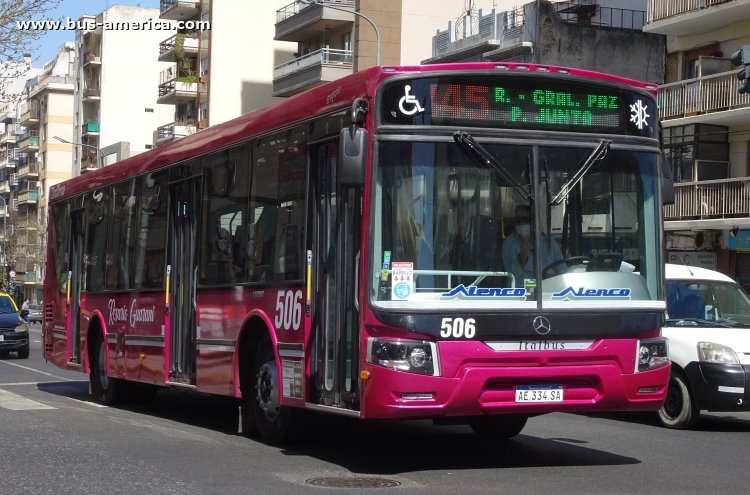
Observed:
{"x":373,"y":446}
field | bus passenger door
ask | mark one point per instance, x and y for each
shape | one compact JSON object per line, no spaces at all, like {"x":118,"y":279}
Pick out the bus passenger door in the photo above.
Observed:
{"x":182,"y":264}
{"x":335,"y":250}
{"x":75,"y":274}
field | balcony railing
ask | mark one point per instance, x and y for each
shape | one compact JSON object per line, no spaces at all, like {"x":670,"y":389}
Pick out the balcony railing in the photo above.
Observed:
{"x":706,"y":94}
{"x":324,"y":56}
{"x":294,"y":8}
{"x":189,"y":44}
{"x":29,"y":169}
{"x":662,"y":9}
{"x":710,"y":199}
{"x":28,"y":197}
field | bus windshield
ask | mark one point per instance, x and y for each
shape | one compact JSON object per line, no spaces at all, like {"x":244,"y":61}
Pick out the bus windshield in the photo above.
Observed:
{"x":543,"y":225}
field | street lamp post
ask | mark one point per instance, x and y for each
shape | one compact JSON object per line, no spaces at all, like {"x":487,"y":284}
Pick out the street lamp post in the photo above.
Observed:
{"x":99,"y":154}
{"x":377,"y":32}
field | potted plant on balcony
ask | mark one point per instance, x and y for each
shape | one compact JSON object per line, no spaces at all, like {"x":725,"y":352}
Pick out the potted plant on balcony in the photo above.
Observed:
{"x":90,"y":125}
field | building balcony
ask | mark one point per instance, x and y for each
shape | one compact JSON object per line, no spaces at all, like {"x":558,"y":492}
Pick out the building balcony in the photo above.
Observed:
{"x":315,"y":68}
{"x":710,"y":99}
{"x":4,"y":187}
{"x":28,"y":171}
{"x":8,"y":158}
{"x":176,"y":86}
{"x":300,"y":22}
{"x":179,"y":10}
{"x":28,"y":197}
{"x":8,"y":137}
{"x":90,"y":129}
{"x":29,"y":114}
{"x":175,"y":130}
{"x":29,"y":142}
{"x":168,"y":47}
{"x":91,"y":94}
{"x":89,"y":160}
{"x":92,"y":58}
{"x":689,"y":17}
{"x":713,"y":203}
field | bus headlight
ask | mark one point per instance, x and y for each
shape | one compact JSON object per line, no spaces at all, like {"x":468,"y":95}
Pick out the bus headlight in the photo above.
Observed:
{"x":22,"y":328}
{"x":652,"y":353}
{"x":414,"y":356}
{"x":709,"y":352}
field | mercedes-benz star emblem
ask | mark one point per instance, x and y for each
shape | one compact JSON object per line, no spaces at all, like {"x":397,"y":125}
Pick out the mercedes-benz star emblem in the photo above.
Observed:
{"x":541,"y":325}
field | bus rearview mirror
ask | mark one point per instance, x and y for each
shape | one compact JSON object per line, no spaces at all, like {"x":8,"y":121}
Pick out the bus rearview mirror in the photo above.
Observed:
{"x":352,"y":156}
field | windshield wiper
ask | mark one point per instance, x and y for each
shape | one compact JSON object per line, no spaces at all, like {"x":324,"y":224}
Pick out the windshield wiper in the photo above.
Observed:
{"x":706,"y":323}
{"x":598,"y":154}
{"x":488,"y":160}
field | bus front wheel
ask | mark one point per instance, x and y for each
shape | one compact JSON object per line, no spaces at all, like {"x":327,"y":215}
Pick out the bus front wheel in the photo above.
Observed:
{"x":274,"y":423}
{"x":498,"y":427}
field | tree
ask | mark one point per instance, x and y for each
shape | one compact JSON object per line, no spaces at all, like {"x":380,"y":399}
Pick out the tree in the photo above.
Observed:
{"x":22,"y":24}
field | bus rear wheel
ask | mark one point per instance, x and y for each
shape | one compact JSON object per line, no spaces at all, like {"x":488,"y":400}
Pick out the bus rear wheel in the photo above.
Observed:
{"x":498,"y":427}
{"x":273,"y":422}
{"x":105,"y":389}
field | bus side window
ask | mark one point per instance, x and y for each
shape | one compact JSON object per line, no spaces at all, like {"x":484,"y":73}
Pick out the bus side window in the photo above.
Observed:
{"x":225,"y":202}
{"x":150,"y":247}
{"x":96,"y":255}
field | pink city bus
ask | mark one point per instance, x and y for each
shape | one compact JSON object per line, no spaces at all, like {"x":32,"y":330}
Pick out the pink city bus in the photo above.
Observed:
{"x":470,"y":243}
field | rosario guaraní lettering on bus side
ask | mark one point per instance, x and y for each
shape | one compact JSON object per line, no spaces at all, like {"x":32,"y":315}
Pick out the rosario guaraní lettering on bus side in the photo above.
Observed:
{"x":132,"y":315}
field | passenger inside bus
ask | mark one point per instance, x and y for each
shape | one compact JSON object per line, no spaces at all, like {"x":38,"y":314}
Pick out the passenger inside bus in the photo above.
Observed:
{"x":518,"y":247}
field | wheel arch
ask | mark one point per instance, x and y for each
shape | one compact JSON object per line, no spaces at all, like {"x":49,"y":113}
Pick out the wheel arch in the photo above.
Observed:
{"x":96,"y":327}
{"x":256,"y":327}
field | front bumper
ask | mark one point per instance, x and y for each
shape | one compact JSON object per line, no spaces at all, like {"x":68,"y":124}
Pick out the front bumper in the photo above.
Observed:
{"x":598,"y":380}
{"x":13,"y":341}
{"x":720,"y":387}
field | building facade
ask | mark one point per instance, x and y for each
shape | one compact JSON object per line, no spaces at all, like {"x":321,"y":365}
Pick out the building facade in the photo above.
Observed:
{"x":116,"y":71}
{"x":706,"y":125}
{"x":580,"y":33}
{"x":220,"y":62}
{"x":42,"y":162}
{"x":334,"y":38}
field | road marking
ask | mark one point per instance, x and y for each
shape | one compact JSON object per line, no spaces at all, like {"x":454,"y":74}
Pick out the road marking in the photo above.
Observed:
{"x":14,"y":402}
{"x":38,"y":371}
{"x":88,"y":403}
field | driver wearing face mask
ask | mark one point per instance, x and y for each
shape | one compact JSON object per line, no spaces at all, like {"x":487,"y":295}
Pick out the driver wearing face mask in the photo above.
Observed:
{"x":518,"y":248}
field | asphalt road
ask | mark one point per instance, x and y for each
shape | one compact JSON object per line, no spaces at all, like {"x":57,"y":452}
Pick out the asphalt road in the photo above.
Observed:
{"x":54,"y":440}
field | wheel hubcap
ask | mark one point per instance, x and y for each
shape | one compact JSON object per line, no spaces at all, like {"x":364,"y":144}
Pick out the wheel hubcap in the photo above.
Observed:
{"x":268,"y":394}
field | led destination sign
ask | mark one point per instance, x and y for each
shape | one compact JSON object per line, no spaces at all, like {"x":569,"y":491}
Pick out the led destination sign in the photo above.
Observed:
{"x":529,"y":103}
{"x":524,"y":106}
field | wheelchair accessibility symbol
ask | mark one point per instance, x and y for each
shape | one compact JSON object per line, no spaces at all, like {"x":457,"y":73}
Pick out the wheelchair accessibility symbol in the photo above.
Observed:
{"x":409,"y":101}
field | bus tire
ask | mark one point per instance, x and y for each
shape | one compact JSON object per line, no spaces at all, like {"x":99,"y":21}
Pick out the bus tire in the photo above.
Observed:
{"x":498,"y":427}
{"x":273,"y":423}
{"x":104,"y":389}
{"x":679,"y":411}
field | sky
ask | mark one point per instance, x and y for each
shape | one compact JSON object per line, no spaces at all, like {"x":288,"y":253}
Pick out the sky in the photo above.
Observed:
{"x":49,"y":43}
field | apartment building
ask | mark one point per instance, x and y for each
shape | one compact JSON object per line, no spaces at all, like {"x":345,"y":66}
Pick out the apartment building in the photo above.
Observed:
{"x":116,"y":73}
{"x":220,"y":62}
{"x":13,"y":83}
{"x":42,"y":162}
{"x":585,"y":34}
{"x":706,"y":132}
{"x":334,"y":38}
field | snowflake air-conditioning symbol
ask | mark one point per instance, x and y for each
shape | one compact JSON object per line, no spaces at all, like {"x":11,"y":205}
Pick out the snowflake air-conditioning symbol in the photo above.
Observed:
{"x":638,"y":114}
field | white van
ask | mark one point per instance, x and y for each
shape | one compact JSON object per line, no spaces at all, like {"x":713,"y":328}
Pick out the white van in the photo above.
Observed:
{"x":708,"y":327}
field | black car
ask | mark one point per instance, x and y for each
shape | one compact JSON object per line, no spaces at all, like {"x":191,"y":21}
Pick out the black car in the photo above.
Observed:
{"x":14,"y":332}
